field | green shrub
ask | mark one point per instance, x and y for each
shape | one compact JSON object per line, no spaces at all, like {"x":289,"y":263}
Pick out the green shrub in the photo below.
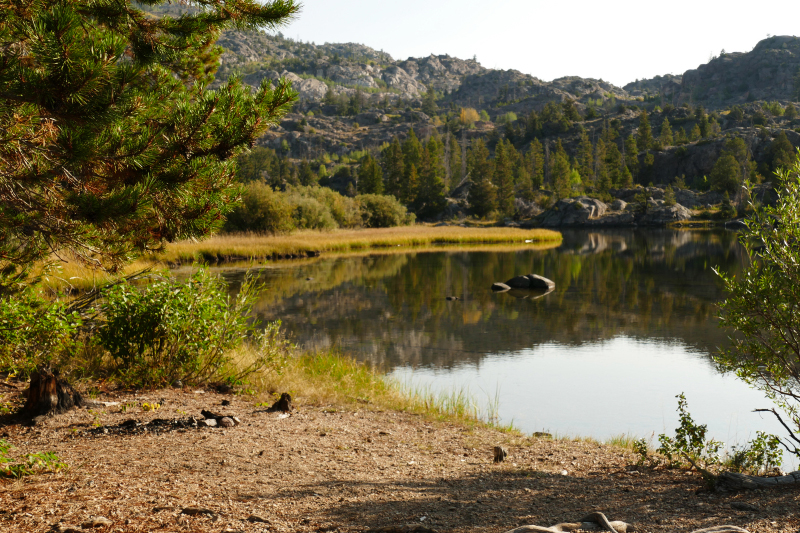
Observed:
{"x":171,"y":330}
{"x":308,"y":213}
{"x":343,"y":209}
{"x":262,"y":210}
{"x":34,"y":332}
{"x":378,"y":211}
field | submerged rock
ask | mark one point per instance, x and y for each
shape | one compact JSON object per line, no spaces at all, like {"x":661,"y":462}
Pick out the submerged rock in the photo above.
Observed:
{"x":530,"y":281}
{"x":500,"y":287}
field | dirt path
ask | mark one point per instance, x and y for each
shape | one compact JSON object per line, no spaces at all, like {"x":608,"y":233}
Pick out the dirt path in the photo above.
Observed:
{"x":324,"y":469}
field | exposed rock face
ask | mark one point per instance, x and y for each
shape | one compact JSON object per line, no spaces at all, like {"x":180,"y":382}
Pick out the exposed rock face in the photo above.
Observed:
{"x":573,"y":212}
{"x":399,"y":79}
{"x":765,"y":73}
{"x":663,"y":215}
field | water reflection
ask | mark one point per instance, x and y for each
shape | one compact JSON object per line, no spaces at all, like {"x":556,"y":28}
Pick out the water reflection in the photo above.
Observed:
{"x":391,"y":309}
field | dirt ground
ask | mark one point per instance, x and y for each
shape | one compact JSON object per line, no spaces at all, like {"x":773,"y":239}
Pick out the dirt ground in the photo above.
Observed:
{"x":333,"y":469}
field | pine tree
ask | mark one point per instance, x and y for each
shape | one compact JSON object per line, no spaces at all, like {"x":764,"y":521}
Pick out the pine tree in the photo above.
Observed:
{"x":632,"y":156}
{"x":482,"y":197}
{"x":560,"y":171}
{"x":455,"y":162}
{"x":111,"y":144}
{"x":410,"y":185}
{"x":644,"y":138}
{"x":306,"y":174}
{"x":370,"y":176}
{"x":695,"y":133}
{"x":429,"y":106}
{"x":503,"y":178}
{"x":524,"y":183}
{"x":537,"y":164}
{"x":627,"y":178}
{"x":394,"y":168}
{"x":601,"y":177}
{"x":614,"y":163}
{"x":412,"y":156}
{"x":585,"y":156}
{"x":430,"y":199}
{"x":666,"y":133}
{"x":479,"y":166}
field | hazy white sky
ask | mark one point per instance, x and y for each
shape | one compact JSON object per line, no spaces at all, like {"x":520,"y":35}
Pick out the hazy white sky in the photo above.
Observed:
{"x":618,"y":41}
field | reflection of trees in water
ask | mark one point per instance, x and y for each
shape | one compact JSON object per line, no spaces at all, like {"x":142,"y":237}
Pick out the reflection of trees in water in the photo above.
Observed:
{"x":391,"y":309}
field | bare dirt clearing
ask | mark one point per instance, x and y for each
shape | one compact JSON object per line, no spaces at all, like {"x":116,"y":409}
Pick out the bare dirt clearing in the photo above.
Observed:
{"x":341,"y":469}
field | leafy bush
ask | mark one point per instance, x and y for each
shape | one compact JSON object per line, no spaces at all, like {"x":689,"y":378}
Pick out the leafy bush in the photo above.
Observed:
{"x":308,"y":213}
{"x":34,"y":332}
{"x":691,"y":446}
{"x":343,"y":209}
{"x":690,"y":440}
{"x":378,"y":211}
{"x":262,"y":210}
{"x":171,"y":330}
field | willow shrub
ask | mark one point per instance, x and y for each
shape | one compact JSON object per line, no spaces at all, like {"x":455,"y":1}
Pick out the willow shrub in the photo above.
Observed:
{"x":35,"y":332}
{"x":185,"y":330}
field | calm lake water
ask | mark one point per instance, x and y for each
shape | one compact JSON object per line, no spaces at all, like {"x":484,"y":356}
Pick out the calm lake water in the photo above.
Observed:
{"x":631,"y":323}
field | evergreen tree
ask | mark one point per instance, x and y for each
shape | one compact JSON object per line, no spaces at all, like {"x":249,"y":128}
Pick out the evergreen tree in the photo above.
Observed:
{"x":482,"y":196}
{"x":627,"y":178}
{"x":570,"y":111}
{"x":503,"y":178}
{"x":782,"y":153}
{"x":524,"y":183}
{"x":703,"y":124}
{"x":455,"y":162}
{"x":429,"y":106}
{"x":695,"y":134}
{"x":614,"y":164}
{"x":560,"y":171}
{"x":370,"y":176}
{"x":111,"y":144}
{"x":306,"y":174}
{"x":412,"y":156}
{"x":601,"y":177}
{"x":632,"y":156}
{"x":585,"y":156}
{"x":479,"y":166}
{"x":644,"y":139}
{"x":536,"y":155}
{"x":790,"y":112}
{"x":680,"y":137}
{"x":394,"y":168}
{"x":410,"y":185}
{"x":666,"y":133}
{"x":430,"y":199}
{"x":533,"y":126}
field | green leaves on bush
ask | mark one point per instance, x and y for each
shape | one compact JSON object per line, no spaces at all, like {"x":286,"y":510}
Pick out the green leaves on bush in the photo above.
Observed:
{"x":690,"y":440}
{"x":28,"y":464}
{"x":34,"y":332}
{"x":691,"y":446}
{"x":171,"y":330}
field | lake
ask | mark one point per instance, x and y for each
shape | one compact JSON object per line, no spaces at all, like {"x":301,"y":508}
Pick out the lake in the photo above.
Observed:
{"x":631,"y":324}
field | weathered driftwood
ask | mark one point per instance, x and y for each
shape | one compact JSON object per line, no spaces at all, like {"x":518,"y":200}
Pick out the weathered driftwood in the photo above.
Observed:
{"x":733,"y":481}
{"x":598,"y":521}
{"x":49,"y":395}
{"x":590,"y":522}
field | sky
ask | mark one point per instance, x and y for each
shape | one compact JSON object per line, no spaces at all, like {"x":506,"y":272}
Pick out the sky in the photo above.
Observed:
{"x":618,"y":41}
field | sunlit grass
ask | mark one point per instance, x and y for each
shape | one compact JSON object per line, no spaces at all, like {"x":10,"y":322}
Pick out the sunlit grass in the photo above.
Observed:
{"x":331,"y":378}
{"x":253,"y":247}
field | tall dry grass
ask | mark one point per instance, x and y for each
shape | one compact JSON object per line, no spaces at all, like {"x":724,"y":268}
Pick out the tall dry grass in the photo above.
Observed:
{"x":244,"y":247}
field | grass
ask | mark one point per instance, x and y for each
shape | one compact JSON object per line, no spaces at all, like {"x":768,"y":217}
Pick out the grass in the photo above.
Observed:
{"x":252,"y":247}
{"x":331,"y":378}
{"x":245,"y":249}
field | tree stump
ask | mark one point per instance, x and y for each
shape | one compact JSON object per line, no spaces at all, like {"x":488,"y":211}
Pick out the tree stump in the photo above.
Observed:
{"x":284,"y":404}
{"x":49,"y":395}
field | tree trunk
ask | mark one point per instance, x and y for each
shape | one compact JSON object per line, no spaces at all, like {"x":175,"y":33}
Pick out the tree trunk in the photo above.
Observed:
{"x":48,"y":395}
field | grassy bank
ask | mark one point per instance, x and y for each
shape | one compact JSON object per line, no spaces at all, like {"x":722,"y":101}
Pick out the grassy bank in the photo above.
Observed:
{"x":248,"y":247}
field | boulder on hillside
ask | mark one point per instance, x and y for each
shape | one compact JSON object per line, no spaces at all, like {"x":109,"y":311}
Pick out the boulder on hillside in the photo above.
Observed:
{"x":663,"y":215}
{"x":573,"y":212}
{"x":530,"y":281}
